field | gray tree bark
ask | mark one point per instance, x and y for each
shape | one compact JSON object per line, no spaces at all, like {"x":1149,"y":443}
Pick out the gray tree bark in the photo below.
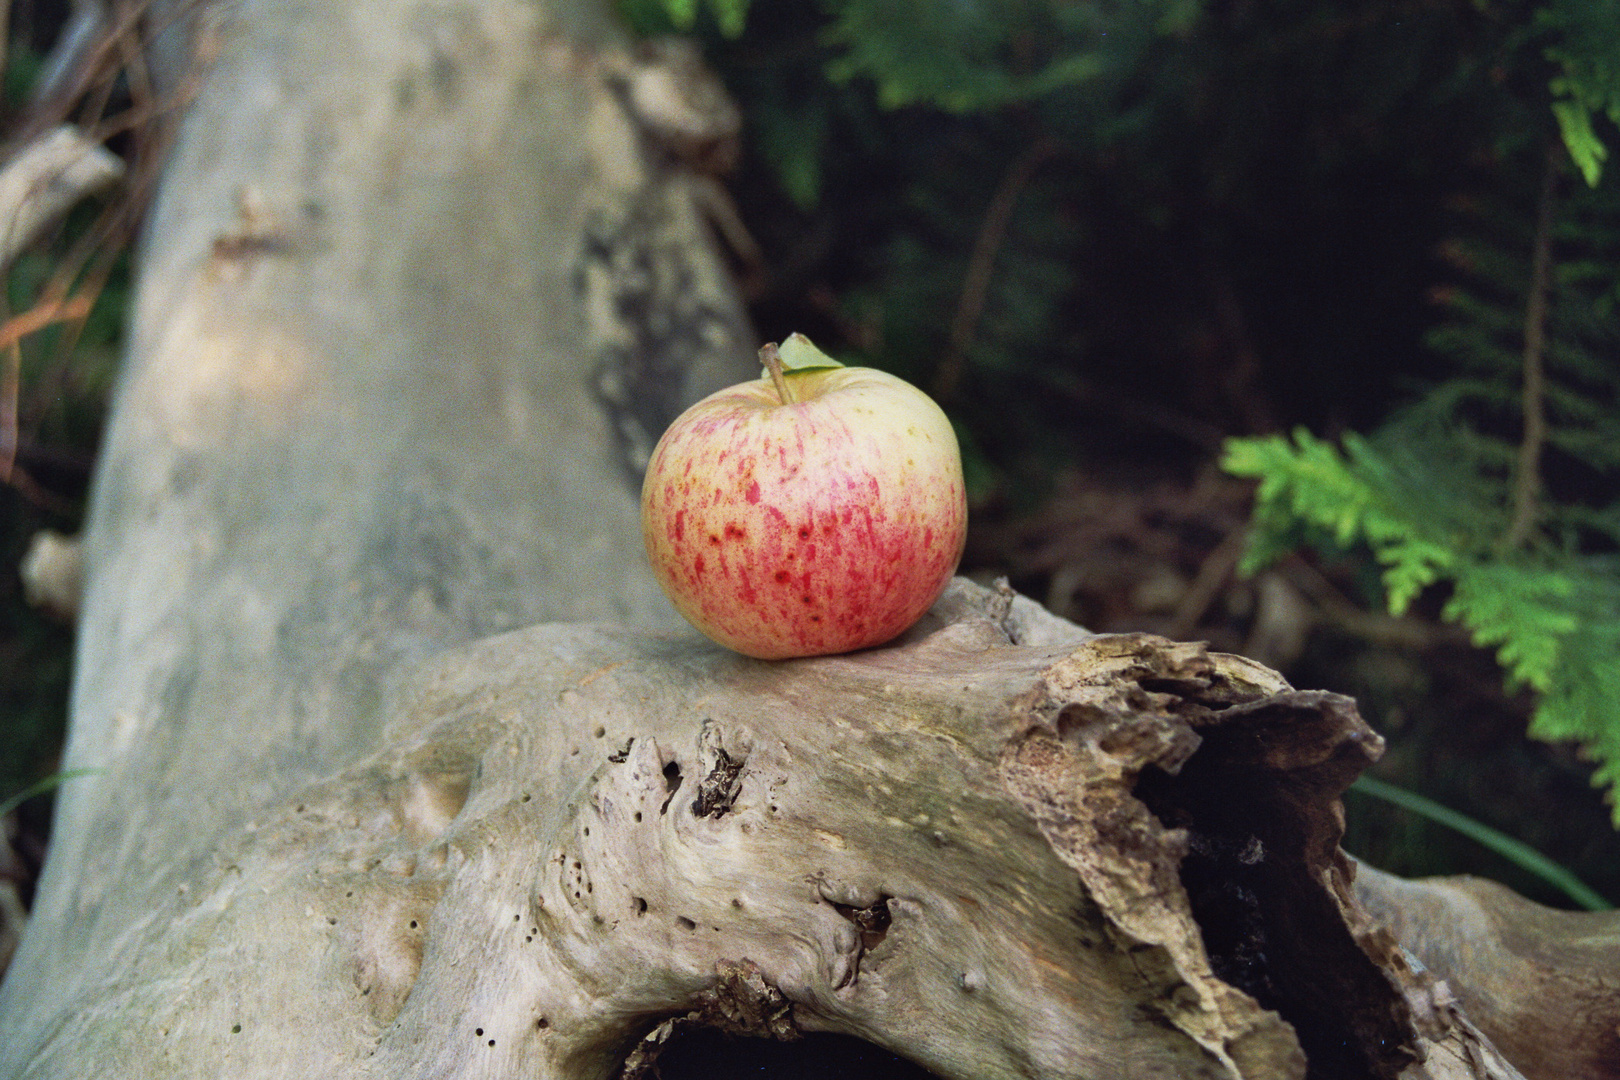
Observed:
{"x":404,"y":769}
{"x":362,"y":419}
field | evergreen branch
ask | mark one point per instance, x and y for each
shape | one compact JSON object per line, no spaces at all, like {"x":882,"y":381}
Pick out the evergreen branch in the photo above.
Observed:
{"x":1526,"y":477}
{"x":1345,"y":494}
{"x":1525,"y":612}
{"x":1552,"y":619}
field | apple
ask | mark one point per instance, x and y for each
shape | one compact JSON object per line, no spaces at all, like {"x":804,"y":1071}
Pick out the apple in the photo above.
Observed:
{"x":818,"y":509}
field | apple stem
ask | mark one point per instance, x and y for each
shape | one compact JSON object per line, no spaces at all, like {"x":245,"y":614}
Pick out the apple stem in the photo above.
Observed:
{"x":772,"y":360}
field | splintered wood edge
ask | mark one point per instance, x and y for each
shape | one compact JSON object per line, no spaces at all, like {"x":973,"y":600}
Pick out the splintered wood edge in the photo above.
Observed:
{"x":1398,"y":1018}
{"x":1093,"y":732}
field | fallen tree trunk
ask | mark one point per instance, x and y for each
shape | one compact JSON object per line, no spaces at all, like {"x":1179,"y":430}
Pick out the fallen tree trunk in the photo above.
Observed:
{"x":998,"y":859}
{"x":418,"y":283}
{"x":1541,"y":982}
{"x":417,"y":280}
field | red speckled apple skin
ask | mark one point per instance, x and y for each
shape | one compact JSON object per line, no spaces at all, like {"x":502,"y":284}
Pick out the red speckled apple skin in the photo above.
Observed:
{"x":822,"y":526}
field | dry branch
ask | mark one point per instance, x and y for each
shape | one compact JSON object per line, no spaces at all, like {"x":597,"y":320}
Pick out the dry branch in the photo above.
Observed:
{"x":44,"y":179}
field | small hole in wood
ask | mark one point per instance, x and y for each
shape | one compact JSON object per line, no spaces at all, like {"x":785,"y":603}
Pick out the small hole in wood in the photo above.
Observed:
{"x":672,"y":783}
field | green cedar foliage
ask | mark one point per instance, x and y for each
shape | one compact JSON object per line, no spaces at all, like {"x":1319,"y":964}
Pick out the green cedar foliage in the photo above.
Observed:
{"x":1063,"y":219}
{"x":1552,"y":615}
{"x":1177,"y":162}
{"x":1432,"y":495}
{"x":966,"y":58}
{"x":1583,"y":36}
{"x":959,"y":57}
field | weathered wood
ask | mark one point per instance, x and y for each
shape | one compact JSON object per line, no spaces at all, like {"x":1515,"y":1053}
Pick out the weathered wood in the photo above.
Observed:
{"x":1544,"y":984}
{"x":361,"y":418}
{"x":998,"y":859}
{"x":418,"y":288}
{"x":42,"y":180}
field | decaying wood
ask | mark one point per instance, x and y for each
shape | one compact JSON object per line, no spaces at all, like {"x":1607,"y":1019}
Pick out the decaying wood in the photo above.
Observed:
{"x":1110,"y":858}
{"x":52,"y":573}
{"x":1544,"y":984}
{"x":415,"y":292}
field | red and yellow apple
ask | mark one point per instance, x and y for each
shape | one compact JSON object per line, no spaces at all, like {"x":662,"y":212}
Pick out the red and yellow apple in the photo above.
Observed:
{"x":814,"y":510}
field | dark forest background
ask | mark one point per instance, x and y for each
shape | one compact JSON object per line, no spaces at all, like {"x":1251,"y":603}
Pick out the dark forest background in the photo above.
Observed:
{"x":1110,"y":237}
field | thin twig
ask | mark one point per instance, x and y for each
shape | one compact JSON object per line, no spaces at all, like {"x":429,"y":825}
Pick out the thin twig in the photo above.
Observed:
{"x":5,"y":37}
{"x":976,"y":285}
{"x":12,"y":331}
{"x":1242,"y":383}
{"x":89,"y":89}
{"x":41,"y":496}
{"x":83,"y":269}
{"x":1213,"y":574}
{"x":1150,"y":414}
{"x":42,"y":315}
{"x":132,"y":57}
{"x":1403,"y":631}
{"x":1526,"y":476}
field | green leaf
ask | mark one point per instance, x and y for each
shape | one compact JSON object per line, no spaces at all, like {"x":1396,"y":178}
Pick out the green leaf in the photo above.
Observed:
{"x":793,"y":140}
{"x":1413,"y":565}
{"x":1515,"y":851}
{"x":683,"y":13}
{"x":54,"y":780}
{"x":1523,"y":611}
{"x":1347,"y":494}
{"x":972,"y":58}
{"x":799,"y":354}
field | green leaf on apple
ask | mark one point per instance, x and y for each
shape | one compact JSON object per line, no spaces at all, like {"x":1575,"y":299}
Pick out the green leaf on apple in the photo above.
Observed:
{"x":799,"y":354}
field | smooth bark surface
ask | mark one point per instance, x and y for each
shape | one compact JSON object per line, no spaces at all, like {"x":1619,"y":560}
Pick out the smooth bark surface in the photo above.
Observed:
{"x":360,"y":420}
